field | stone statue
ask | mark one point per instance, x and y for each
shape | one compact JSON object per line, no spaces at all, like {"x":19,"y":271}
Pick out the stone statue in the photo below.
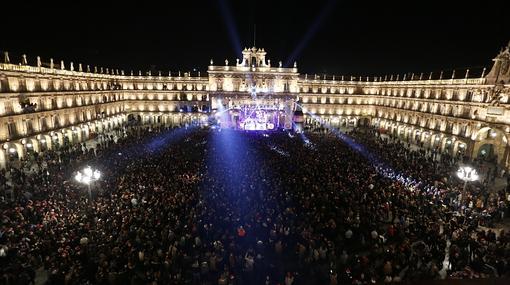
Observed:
{"x":6,"y":57}
{"x":211,"y":62}
{"x":80,"y":67}
{"x":38,"y":61}
{"x":52,"y":65}
{"x":24,"y":59}
{"x":62,"y":65}
{"x":280,"y":63}
{"x":295,"y":64}
{"x":226,"y":61}
{"x":495,"y":96}
{"x":71,"y":67}
{"x":88,"y":68}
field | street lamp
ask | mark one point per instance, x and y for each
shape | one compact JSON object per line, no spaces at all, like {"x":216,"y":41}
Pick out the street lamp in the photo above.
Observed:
{"x":466,"y":174}
{"x":88,"y":176}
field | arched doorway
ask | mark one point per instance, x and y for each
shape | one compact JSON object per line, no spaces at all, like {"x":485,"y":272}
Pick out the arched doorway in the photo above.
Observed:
{"x":485,"y":151}
{"x":490,"y":145}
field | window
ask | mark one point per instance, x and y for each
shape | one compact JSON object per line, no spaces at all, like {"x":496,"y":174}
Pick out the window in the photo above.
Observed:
{"x":11,"y":127}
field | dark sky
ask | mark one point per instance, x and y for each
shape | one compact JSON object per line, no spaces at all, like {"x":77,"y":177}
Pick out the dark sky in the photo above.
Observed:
{"x":324,"y":36}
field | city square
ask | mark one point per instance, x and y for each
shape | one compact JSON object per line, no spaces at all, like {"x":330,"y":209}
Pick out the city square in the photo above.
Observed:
{"x":250,"y":169}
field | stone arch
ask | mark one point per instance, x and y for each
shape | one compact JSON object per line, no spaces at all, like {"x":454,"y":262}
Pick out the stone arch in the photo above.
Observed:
{"x":490,"y":143}
{"x":364,"y":121}
{"x":460,"y":147}
{"x":34,"y":142}
{"x":44,"y":142}
{"x":14,"y":151}
{"x":447,"y":144}
{"x":417,"y":136}
{"x":435,"y":141}
{"x":425,"y":139}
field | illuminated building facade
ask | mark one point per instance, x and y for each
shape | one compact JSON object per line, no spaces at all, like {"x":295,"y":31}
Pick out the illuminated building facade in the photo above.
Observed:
{"x":44,"y":105}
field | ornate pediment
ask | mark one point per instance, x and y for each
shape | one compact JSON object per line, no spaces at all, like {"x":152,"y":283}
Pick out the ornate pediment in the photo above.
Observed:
{"x":500,"y":72}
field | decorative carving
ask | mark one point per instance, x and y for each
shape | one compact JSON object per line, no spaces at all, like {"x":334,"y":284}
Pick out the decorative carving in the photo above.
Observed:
{"x":25,"y":104}
{"x":495,"y":95}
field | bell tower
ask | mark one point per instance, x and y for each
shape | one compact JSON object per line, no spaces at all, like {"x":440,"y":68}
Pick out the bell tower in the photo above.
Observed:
{"x":254,"y":57}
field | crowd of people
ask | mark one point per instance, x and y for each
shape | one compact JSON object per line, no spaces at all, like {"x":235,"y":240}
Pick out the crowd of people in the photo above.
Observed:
{"x":204,"y":206}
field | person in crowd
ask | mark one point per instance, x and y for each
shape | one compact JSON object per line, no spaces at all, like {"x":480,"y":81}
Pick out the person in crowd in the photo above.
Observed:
{"x":187,"y":206}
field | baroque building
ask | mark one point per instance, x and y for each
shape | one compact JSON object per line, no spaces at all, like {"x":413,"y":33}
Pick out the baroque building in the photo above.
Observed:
{"x":45,"y":106}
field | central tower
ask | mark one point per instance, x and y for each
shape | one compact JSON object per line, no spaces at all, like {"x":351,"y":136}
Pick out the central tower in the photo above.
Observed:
{"x":253,"y":86}
{"x":254,"y":57}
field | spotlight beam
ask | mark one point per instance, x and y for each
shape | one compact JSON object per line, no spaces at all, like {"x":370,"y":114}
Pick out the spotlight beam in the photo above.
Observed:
{"x":380,"y":166}
{"x":310,"y":32}
{"x":231,"y":27}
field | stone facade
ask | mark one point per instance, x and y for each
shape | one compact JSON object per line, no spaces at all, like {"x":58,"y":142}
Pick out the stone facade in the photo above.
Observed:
{"x":44,"y":106}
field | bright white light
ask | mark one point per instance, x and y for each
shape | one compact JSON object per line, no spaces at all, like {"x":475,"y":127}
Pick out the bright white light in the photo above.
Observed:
{"x":78,"y":177}
{"x":43,"y":140}
{"x":467,"y":173}
{"x":87,"y":175}
{"x":29,"y":145}
{"x":12,"y":150}
{"x":88,"y":171}
{"x":86,"y":179}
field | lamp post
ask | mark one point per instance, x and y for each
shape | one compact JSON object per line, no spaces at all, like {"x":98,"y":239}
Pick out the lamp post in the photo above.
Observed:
{"x":88,"y":176}
{"x":466,"y":174}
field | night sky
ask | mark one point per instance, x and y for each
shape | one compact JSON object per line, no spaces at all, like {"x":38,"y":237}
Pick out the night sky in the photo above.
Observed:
{"x":334,"y":37}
